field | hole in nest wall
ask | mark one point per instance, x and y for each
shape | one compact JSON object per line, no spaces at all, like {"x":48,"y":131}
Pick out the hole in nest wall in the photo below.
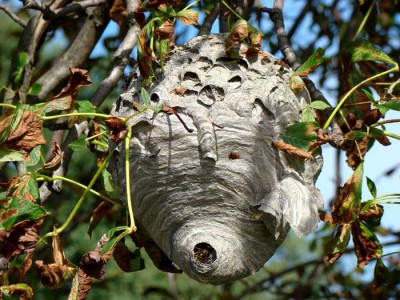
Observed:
{"x":204,"y":253}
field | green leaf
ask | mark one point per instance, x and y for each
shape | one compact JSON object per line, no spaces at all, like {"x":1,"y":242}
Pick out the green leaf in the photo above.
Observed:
{"x":307,"y":115}
{"x":355,"y":135}
{"x":144,"y":95}
{"x":12,"y":125}
{"x":393,"y":104}
{"x":52,"y":106}
{"x":113,"y":240}
{"x":371,"y":187}
{"x":19,"y":210}
{"x":320,"y":105}
{"x":301,"y":134}
{"x":109,"y":185}
{"x":84,"y":106}
{"x":78,"y":144}
{"x":7,"y":155}
{"x":23,"y":290}
{"x":311,"y":63}
{"x":35,"y":89}
{"x":19,"y":66}
{"x":369,"y":95}
{"x":34,"y":156}
{"x":364,"y":50}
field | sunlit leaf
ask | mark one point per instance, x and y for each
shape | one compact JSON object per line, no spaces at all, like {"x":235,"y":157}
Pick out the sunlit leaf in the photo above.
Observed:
{"x":364,"y":50}
{"x":144,"y":95}
{"x":8,"y":155}
{"x":393,"y":104}
{"x":19,"y":66}
{"x":320,"y":105}
{"x":34,"y":156}
{"x":296,"y":83}
{"x":301,"y":134}
{"x":16,"y":210}
{"x":188,"y":16}
{"x":371,"y":187}
{"x":311,"y":63}
{"x":84,"y":106}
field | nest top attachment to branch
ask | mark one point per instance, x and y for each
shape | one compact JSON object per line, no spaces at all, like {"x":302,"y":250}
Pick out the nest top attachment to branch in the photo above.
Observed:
{"x":215,"y":195}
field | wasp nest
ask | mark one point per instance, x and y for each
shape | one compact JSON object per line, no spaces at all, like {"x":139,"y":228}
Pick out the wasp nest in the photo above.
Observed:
{"x":216,"y":196}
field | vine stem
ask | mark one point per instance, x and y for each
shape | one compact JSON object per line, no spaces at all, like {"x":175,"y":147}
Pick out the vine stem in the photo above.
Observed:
{"x":340,"y":104}
{"x":231,"y":10}
{"x":8,"y":105}
{"x":46,"y":118}
{"x":94,"y":192}
{"x":82,"y":198}
{"x":128,"y":179}
{"x":364,"y":20}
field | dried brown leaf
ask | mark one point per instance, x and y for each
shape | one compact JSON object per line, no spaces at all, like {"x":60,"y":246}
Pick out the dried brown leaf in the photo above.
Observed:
{"x":373,"y":212}
{"x":54,"y":275}
{"x":93,"y":264}
{"x":179,"y":90}
{"x":239,"y":31}
{"x":85,"y":284}
{"x":188,"y":17}
{"x":366,"y":244}
{"x":24,"y":267}
{"x":347,"y":205}
{"x":102,"y":210}
{"x":326,"y":217}
{"x":56,"y":160}
{"x":165,"y":30}
{"x":115,"y":123}
{"x":78,"y":79}
{"x":21,"y":238}
{"x":27,"y":135}
{"x":292,"y":150}
{"x":338,"y":244}
{"x":118,"y":12}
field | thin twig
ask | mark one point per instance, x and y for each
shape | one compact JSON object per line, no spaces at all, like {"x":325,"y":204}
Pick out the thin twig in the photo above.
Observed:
{"x":13,"y":16}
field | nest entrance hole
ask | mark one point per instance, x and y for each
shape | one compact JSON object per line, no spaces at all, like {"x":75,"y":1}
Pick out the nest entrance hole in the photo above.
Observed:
{"x":204,"y":253}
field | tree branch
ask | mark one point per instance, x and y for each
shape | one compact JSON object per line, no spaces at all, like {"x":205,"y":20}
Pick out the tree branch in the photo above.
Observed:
{"x":210,"y":19}
{"x":120,"y":58}
{"x":78,"y":51}
{"x":13,"y":16}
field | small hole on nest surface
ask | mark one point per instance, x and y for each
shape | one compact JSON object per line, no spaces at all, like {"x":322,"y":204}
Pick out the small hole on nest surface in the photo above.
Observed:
{"x":204,"y":253}
{"x":155,"y":98}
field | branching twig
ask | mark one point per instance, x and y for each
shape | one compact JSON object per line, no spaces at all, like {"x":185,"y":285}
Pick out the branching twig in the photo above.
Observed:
{"x":120,"y":58}
{"x":13,"y":16}
{"x":276,"y":16}
{"x":77,"y":53}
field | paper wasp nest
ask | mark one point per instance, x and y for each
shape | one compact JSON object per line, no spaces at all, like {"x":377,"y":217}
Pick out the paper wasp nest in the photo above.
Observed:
{"x":219,"y":200}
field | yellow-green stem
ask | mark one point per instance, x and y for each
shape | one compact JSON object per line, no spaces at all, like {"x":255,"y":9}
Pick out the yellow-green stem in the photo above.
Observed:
{"x":82,"y":198}
{"x":95,"y":136}
{"x":128,"y":179}
{"x":46,"y":118}
{"x":231,"y":10}
{"x":340,"y":104}
{"x":364,"y":20}
{"x":94,"y":192}
{"x":190,"y":5}
{"x":8,"y":105}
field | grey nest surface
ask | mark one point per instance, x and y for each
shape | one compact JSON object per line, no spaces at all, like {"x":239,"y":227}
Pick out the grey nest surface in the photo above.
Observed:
{"x":218,"y":200}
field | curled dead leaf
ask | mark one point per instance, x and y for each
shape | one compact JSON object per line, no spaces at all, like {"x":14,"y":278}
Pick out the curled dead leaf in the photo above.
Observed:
{"x":239,"y":31}
{"x":56,"y":160}
{"x":27,"y":135}
{"x":292,"y":150}
{"x":118,"y":12}
{"x":54,"y":275}
{"x":188,"y":17}
{"x":21,"y":238}
{"x":165,"y":30}
{"x":93,"y":264}
{"x":372,"y":215}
